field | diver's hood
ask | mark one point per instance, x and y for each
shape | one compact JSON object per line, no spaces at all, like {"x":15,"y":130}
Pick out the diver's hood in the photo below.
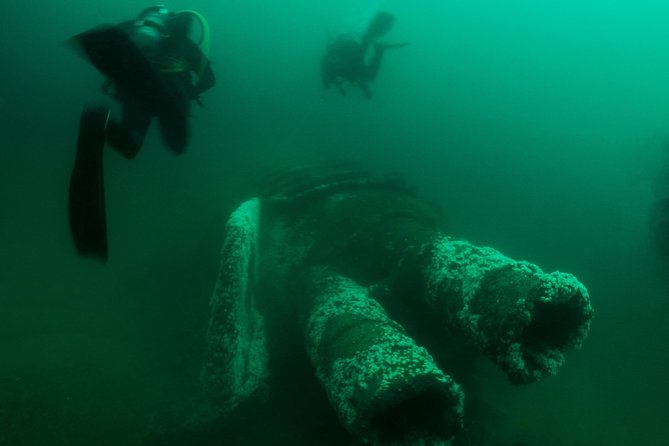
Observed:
{"x":150,"y":28}
{"x":154,"y":17}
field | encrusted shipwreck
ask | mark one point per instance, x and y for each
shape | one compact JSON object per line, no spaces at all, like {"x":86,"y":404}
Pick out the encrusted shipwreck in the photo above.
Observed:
{"x":339,"y":254}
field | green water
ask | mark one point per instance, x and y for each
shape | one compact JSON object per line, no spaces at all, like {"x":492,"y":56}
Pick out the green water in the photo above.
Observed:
{"x":537,"y":128}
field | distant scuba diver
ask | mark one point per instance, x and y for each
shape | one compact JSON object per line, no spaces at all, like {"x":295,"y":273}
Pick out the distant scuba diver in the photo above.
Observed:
{"x":153,"y":69}
{"x":346,"y":58}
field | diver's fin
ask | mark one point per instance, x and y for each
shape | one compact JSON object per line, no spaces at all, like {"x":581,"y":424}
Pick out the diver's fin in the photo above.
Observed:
{"x":391,"y":46}
{"x":111,"y":50}
{"x":87,"y":197}
{"x":380,"y":25}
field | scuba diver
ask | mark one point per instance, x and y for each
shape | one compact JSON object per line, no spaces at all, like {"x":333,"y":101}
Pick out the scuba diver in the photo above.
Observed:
{"x":153,"y":69}
{"x":346,"y":59}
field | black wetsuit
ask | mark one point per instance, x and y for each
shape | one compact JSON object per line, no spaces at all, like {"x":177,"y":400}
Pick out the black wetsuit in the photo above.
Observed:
{"x":151,"y":78}
{"x":139,"y":105}
{"x":345,"y":61}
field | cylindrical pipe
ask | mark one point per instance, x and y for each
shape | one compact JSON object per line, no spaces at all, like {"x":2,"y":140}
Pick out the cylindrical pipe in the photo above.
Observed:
{"x":235,"y":364}
{"x":520,"y":317}
{"x":385,"y":389}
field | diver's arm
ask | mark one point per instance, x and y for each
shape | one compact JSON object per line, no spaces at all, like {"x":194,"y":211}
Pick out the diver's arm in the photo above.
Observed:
{"x":127,"y":27}
{"x":207,"y":81}
{"x":205,"y":75}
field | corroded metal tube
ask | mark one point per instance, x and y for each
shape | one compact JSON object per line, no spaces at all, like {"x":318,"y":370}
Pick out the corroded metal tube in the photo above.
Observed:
{"x":518,"y":316}
{"x":235,"y":363}
{"x":385,"y":389}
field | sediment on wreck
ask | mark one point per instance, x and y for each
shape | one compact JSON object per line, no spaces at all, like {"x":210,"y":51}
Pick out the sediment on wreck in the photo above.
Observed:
{"x":385,"y":389}
{"x":520,"y":317}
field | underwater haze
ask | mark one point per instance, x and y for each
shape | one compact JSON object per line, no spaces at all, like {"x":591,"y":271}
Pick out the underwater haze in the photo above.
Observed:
{"x":539,"y":128}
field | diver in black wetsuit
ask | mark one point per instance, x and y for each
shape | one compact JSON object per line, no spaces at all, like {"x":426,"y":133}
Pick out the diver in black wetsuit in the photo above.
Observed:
{"x":153,"y":69}
{"x":346,"y":59}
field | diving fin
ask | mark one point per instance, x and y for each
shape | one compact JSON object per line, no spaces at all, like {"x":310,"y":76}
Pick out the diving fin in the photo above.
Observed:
{"x":390,"y":46}
{"x":380,"y":25}
{"x":111,"y":50}
{"x":86,"y":196}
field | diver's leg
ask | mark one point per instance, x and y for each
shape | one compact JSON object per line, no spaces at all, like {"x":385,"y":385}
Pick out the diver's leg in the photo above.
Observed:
{"x":173,"y":124}
{"x":366,"y":90}
{"x":86,"y":201}
{"x":380,"y":25}
{"x":377,"y":57}
{"x":127,"y":136}
{"x":375,"y":64}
